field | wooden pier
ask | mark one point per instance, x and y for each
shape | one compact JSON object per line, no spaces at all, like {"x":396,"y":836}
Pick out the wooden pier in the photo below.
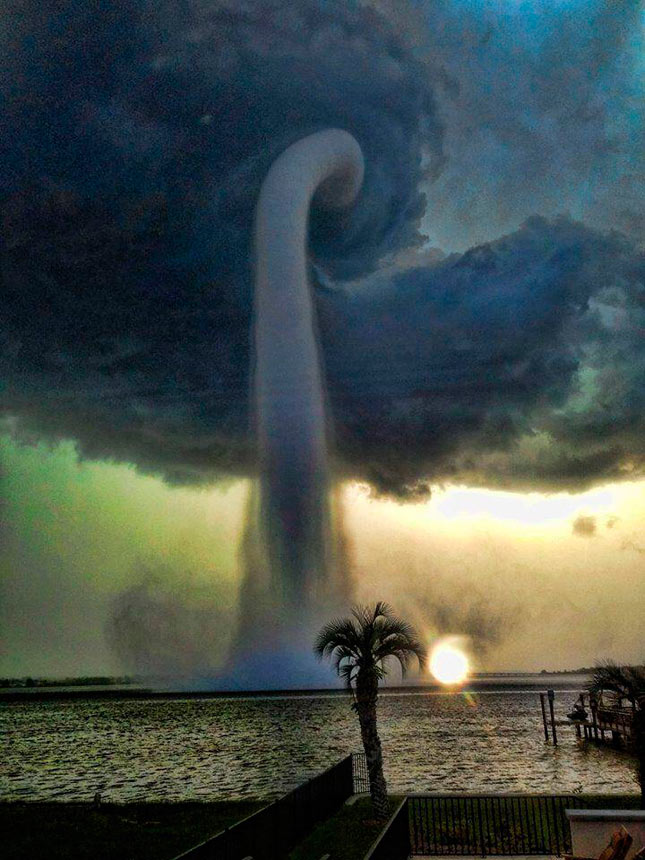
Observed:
{"x":608,"y":725}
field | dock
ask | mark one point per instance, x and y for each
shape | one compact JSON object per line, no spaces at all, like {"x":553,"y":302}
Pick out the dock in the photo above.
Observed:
{"x":607,"y":725}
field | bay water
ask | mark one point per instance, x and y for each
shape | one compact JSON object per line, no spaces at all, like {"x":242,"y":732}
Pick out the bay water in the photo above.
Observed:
{"x":260,"y":746}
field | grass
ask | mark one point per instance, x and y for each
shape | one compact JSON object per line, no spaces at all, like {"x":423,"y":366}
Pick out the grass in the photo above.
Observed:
{"x":131,"y":831}
{"x":347,"y":835}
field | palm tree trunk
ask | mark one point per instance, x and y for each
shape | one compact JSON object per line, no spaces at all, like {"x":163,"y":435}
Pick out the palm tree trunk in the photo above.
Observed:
{"x":366,"y":694}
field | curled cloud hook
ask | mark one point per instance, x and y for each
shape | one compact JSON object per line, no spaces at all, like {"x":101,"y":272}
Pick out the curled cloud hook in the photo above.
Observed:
{"x":294,"y":516}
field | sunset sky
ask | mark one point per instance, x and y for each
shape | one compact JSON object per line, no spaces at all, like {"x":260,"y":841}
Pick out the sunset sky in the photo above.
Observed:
{"x":481,"y":314}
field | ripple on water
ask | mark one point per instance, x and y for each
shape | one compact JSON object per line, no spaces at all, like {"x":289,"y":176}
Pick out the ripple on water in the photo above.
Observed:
{"x":177,"y":749}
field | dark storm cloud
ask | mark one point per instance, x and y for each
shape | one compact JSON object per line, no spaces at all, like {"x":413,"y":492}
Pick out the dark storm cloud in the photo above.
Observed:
{"x":519,"y":363}
{"x":584,"y":526}
{"x":454,"y":601}
{"x":485,"y":625}
{"x":134,"y":144}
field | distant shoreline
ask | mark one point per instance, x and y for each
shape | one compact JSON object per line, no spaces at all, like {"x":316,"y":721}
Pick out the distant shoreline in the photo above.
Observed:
{"x":533,"y":682}
{"x":33,"y":682}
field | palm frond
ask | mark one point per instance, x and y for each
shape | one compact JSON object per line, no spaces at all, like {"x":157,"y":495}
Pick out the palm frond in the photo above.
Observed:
{"x":382,"y":610}
{"x":628,"y":682}
{"x":342,"y":653}
{"x":339,"y":632}
{"x":347,"y":672}
{"x":364,"y":642}
{"x":405,"y":653}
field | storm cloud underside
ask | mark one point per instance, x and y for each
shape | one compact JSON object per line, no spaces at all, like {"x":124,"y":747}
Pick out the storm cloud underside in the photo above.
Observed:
{"x":134,"y":145}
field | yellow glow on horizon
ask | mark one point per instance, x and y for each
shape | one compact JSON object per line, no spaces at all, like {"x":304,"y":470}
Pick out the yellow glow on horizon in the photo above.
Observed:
{"x":525,"y":508}
{"x":448,"y":664}
{"x":453,"y":503}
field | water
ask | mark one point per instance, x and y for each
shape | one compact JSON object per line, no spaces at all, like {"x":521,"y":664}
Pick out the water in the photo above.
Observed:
{"x":225,"y":748}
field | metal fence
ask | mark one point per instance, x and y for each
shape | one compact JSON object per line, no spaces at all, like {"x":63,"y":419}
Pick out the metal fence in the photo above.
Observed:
{"x":486,"y":824}
{"x":273,"y":831}
{"x":480,"y":825}
{"x":490,"y":825}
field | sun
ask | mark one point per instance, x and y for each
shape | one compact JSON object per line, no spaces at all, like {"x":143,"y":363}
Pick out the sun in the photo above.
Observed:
{"x":448,"y":664}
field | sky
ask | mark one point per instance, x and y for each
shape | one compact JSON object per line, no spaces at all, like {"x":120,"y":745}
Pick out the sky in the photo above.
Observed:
{"x":481,"y":312}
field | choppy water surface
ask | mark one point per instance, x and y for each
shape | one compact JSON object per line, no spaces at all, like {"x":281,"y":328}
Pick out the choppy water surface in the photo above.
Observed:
{"x":216,"y":748}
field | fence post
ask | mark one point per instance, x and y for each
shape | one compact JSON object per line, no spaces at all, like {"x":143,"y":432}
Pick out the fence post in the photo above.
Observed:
{"x":405,"y":815}
{"x":481,"y":826}
{"x":594,"y":718}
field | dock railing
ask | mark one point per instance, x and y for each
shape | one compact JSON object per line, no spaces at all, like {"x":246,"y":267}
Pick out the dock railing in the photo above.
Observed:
{"x":606,"y":724}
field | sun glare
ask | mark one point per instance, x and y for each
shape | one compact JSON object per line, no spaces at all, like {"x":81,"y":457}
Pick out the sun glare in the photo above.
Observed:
{"x":448,"y":664}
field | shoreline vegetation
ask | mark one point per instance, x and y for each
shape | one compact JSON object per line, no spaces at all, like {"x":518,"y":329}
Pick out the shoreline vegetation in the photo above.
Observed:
{"x":84,"y":681}
{"x":165,"y":690}
{"x":30,"y":683}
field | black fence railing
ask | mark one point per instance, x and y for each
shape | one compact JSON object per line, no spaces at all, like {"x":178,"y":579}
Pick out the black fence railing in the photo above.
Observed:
{"x":490,"y":825}
{"x":394,"y":842}
{"x":482,"y":825}
{"x":272,"y":832}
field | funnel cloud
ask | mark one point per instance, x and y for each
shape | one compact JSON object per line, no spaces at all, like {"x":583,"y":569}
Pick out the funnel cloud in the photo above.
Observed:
{"x":294,"y":504}
{"x":293,"y":567}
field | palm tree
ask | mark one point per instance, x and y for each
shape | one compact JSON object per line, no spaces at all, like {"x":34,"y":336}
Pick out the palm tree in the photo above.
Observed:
{"x":359,"y":648}
{"x":627,"y":682}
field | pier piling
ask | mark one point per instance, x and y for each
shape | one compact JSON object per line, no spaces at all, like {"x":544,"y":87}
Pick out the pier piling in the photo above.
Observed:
{"x":606,"y":724}
{"x":551,"y":696}
{"x":546,"y":725}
